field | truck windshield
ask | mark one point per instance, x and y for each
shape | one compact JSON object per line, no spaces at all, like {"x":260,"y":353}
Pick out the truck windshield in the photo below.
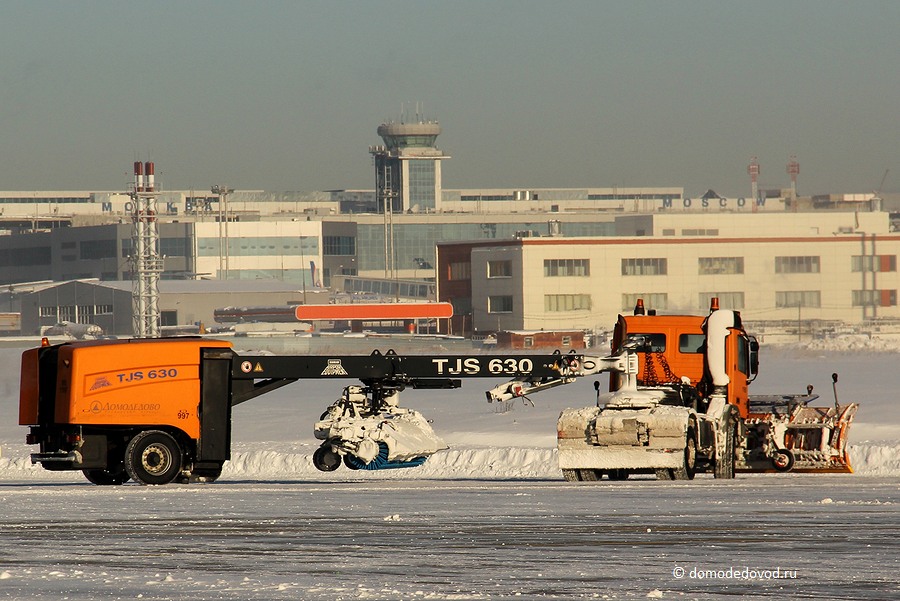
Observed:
{"x":655,"y":343}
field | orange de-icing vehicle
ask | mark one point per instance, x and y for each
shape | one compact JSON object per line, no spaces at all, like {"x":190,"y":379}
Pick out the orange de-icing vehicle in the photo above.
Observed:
{"x":159,"y":410}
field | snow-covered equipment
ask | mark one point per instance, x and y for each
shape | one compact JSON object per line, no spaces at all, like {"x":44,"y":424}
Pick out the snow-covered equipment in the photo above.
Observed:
{"x":369,"y":430}
{"x":678,"y":405}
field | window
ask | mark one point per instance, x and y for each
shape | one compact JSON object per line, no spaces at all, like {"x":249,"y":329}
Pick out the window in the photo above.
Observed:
{"x":338,"y":245}
{"x":103,"y":309}
{"x":644,"y":266}
{"x":528,"y":341}
{"x":653,"y":343}
{"x":567,"y":302}
{"x":873,"y":263}
{"x":798,"y":298}
{"x":500,"y":304}
{"x":98,"y":249}
{"x":173,"y":247}
{"x":566,"y":341}
{"x":720,"y":265}
{"x":658,"y":301}
{"x":21,"y":257}
{"x":727,"y":300}
{"x":691,"y":343}
{"x":567,"y":267}
{"x":874,"y":298}
{"x":67,"y":313}
{"x":48,"y":312}
{"x":797,"y":265}
{"x":499,"y":269}
{"x":699,"y":232}
{"x":460,"y":271}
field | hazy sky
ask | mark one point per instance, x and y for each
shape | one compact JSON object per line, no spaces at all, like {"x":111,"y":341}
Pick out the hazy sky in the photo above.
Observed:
{"x":288,"y":95}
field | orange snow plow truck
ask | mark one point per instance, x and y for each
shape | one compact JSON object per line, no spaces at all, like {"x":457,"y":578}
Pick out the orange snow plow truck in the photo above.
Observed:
{"x":679,"y":404}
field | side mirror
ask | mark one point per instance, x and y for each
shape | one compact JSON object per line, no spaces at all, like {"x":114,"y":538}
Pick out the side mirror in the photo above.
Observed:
{"x":754,"y":357}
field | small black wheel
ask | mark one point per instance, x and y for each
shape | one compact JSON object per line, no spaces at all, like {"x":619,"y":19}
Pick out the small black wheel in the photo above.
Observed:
{"x":783,"y":460}
{"x":111,"y":477}
{"x":325,"y":459}
{"x":351,"y":462}
{"x":153,"y":457}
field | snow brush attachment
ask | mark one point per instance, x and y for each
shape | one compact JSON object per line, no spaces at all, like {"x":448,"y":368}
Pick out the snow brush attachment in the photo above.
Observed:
{"x":381,"y":461}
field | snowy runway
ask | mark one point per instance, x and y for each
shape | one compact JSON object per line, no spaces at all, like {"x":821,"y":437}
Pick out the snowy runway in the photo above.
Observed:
{"x":407,"y":539}
{"x":491,"y":518}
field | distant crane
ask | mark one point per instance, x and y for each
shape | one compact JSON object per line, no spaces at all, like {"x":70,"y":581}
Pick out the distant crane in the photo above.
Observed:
{"x":877,"y":197}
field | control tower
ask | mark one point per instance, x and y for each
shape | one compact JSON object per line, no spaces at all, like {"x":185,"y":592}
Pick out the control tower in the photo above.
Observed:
{"x":408,"y":167}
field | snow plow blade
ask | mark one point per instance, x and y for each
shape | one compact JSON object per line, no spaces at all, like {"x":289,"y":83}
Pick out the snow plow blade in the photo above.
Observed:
{"x":791,"y":436}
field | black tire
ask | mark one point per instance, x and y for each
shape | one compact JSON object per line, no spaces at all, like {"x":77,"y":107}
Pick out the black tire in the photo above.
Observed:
{"x":350,"y":463}
{"x":571,"y":475}
{"x":153,"y":457}
{"x":783,"y":460}
{"x":112,"y":477}
{"x":724,"y":467}
{"x":664,"y":474}
{"x":619,"y":474}
{"x":689,"y":461}
{"x":589,"y":475}
{"x":325,"y":459}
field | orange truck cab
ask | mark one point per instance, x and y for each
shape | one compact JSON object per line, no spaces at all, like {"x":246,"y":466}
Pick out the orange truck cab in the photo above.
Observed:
{"x":677,"y":348}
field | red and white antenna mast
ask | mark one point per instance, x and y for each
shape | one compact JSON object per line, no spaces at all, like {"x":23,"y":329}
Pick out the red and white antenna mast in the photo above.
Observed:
{"x":753,"y":170}
{"x":793,"y":169}
{"x":147,"y":264}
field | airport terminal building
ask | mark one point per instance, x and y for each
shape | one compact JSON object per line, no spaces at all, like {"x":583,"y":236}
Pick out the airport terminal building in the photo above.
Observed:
{"x":507,"y":258}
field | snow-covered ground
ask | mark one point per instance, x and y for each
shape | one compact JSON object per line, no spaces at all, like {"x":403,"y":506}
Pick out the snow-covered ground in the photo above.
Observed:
{"x":488,"y":519}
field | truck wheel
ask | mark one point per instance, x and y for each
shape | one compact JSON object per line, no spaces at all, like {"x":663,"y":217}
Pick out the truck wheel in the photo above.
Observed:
{"x":588,"y":475}
{"x":620,"y":474}
{"x":724,"y":467}
{"x":107,"y":477}
{"x":571,"y":475}
{"x":783,"y":460}
{"x":153,"y":457}
{"x":664,"y":474}
{"x":325,"y":459}
{"x":689,"y":463}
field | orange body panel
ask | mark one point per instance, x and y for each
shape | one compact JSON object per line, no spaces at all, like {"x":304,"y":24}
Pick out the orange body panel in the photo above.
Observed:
{"x":131,"y":382}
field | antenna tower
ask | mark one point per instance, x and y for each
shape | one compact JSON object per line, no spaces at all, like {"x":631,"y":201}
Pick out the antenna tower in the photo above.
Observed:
{"x":793,"y":169}
{"x":753,"y":171}
{"x":147,"y":264}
